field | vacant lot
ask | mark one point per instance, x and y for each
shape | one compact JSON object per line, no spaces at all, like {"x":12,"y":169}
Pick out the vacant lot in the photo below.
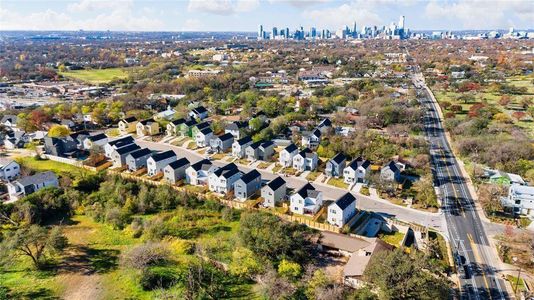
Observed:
{"x":96,"y":76}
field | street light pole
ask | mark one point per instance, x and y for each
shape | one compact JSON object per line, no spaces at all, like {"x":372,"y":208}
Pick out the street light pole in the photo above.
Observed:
{"x":515,"y":259}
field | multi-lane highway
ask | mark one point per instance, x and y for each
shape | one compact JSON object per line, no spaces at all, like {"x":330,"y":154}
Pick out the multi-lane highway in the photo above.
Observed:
{"x":476,"y":260}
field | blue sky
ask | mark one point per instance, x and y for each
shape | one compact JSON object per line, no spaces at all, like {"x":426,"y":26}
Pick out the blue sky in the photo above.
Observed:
{"x":245,"y":15}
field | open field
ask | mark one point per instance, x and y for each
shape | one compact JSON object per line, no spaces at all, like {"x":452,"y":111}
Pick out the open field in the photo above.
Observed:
{"x":96,"y":76}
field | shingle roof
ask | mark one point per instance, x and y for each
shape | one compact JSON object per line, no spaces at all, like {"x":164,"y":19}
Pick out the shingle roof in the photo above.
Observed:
{"x":129,"y":119}
{"x":305,"y":152}
{"x":345,"y":200}
{"x":37,"y":178}
{"x":190,"y":123}
{"x":228,"y":167}
{"x":291,"y":147}
{"x":244,"y":140}
{"x":206,"y":130}
{"x":179,"y":163}
{"x":178,"y":121}
{"x":393,"y":167}
{"x":339,"y":158}
{"x":127,"y":149}
{"x":325,"y":123}
{"x":202,"y":125}
{"x":97,"y":137}
{"x":200,"y":110}
{"x":226,"y":136}
{"x":255,"y":145}
{"x":140,"y":153}
{"x":276,"y":183}
{"x":204,"y":164}
{"x":307,"y":190}
{"x":127,"y":140}
{"x":237,"y":125}
{"x":267,"y":144}
{"x":248,"y":177}
{"x":359,"y":162}
{"x":147,"y":121}
{"x":316,"y":132}
{"x":163,"y":155}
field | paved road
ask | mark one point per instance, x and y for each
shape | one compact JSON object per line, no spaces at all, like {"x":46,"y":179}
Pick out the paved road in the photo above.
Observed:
{"x":466,"y":232}
{"x":434,"y":220}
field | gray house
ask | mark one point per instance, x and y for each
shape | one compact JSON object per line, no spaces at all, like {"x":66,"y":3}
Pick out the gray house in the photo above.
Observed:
{"x":239,"y":147}
{"x":274,"y":192}
{"x":253,"y":151}
{"x":335,"y":166}
{"x":390,"y":172}
{"x":118,"y":156}
{"x":176,"y":170}
{"x":158,"y":161}
{"x":247,"y":185}
{"x":137,"y":159}
{"x":222,"y":143}
{"x":237,"y":129}
{"x":266,"y":150}
{"x":27,"y":185}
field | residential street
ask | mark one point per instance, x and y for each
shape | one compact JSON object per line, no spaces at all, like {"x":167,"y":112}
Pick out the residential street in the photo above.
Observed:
{"x":434,"y":220}
{"x":480,"y":266}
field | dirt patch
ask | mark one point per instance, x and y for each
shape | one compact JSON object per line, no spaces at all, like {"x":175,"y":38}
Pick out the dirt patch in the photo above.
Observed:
{"x":81,"y":287}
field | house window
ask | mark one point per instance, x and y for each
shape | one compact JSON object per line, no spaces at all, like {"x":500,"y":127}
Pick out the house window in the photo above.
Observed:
{"x":333,"y":211}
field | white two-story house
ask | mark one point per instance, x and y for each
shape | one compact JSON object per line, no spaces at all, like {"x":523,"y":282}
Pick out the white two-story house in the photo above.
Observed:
{"x":305,"y":160}
{"x":286,"y":155}
{"x":357,"y":171}
{"x":222,"y":179}
{"x":306,"y":201}
{"x":158,"y":161}
{"x":342,"y":210}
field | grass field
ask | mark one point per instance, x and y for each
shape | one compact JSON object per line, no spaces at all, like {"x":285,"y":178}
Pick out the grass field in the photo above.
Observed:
{"x":338,"y":182}
{"x":48,"y":165}
{"x":96,"y":76}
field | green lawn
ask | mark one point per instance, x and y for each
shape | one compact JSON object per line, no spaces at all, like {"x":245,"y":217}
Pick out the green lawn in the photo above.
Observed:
{"x":48,"y":165}
{"x":338,"y":182}
{"x":313,"y":175}
{"x":392,"y":238}
{"x":96,"y":76}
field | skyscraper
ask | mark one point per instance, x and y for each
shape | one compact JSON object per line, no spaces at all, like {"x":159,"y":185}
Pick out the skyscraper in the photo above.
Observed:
{"x":260,"y":33}
{"x":274,"y":33}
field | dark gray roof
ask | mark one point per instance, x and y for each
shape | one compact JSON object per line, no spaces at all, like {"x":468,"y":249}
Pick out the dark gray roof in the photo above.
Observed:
{"x":325,"y":123}
{"x":316,"y":132}
{"x":244,"y":140}
{"x":291,"y":147}
{"x":307,"y":190}
{"x":141,"y":153}
{"x":179,"y":163}
{"x":306,"y":152}
{"x":226,"y":136}
{"x":393,"y":167}
{"x":206,"y":130}
{"x":37,"y":178}
{"x":163,"y":155}
{"x":10,"y":118}
{"x":129,"y":119}
{"x":255,"y":145}
{"x":248,"y":177}
{"x":345,"y":200}
{"x":147,"y":121}
{"x":178,"y":121}
{"x":190,"y":123}
{"x":97,"y":137}
{"x":237,"y":125}
{"x":125,"y":140}
{"x":276,"y":183}
{"x":127,"y":149}
{"x":204,"y":164}
{"x":202,"y":125}
{"x":359,"y":162}
{"x":267,"y":144}
{"x":200,"y":110}
{"x":339,"y":158}
{"x":228,"y":167}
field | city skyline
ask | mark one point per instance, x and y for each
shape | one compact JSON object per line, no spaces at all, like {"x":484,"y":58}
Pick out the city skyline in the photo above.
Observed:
{"x":245,"y":15}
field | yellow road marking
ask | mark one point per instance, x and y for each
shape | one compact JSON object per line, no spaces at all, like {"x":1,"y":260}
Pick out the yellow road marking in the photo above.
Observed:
{"x":477,"y":257}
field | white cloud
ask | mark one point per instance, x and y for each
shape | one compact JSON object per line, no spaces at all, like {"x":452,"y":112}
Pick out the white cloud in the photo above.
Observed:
{"x":299,"y":3}
{"x":345,"y":14}
{"x":91,"y":5}
{"x":222,"y":7}
{"x":192,"y":25}
{"x":120,"y":18}
{"x":481,"y":14}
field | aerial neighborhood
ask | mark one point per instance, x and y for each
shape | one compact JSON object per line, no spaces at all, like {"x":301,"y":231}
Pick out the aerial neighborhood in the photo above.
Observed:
{"x":362,"y":163}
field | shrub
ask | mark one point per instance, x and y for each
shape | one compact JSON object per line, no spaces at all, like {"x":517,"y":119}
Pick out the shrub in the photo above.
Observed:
{"x":289,"y":269}
{"x":157,"y":278}
{"x":145,"y":255}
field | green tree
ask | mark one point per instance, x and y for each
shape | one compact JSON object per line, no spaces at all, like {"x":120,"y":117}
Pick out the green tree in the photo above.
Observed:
{"x":244,"y":263}
{"x":288,"y":269}
{"x":34,"y":242}
{"x":398,"y":275}
{"x":425,"y":194}
{"x":58,"y":131}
